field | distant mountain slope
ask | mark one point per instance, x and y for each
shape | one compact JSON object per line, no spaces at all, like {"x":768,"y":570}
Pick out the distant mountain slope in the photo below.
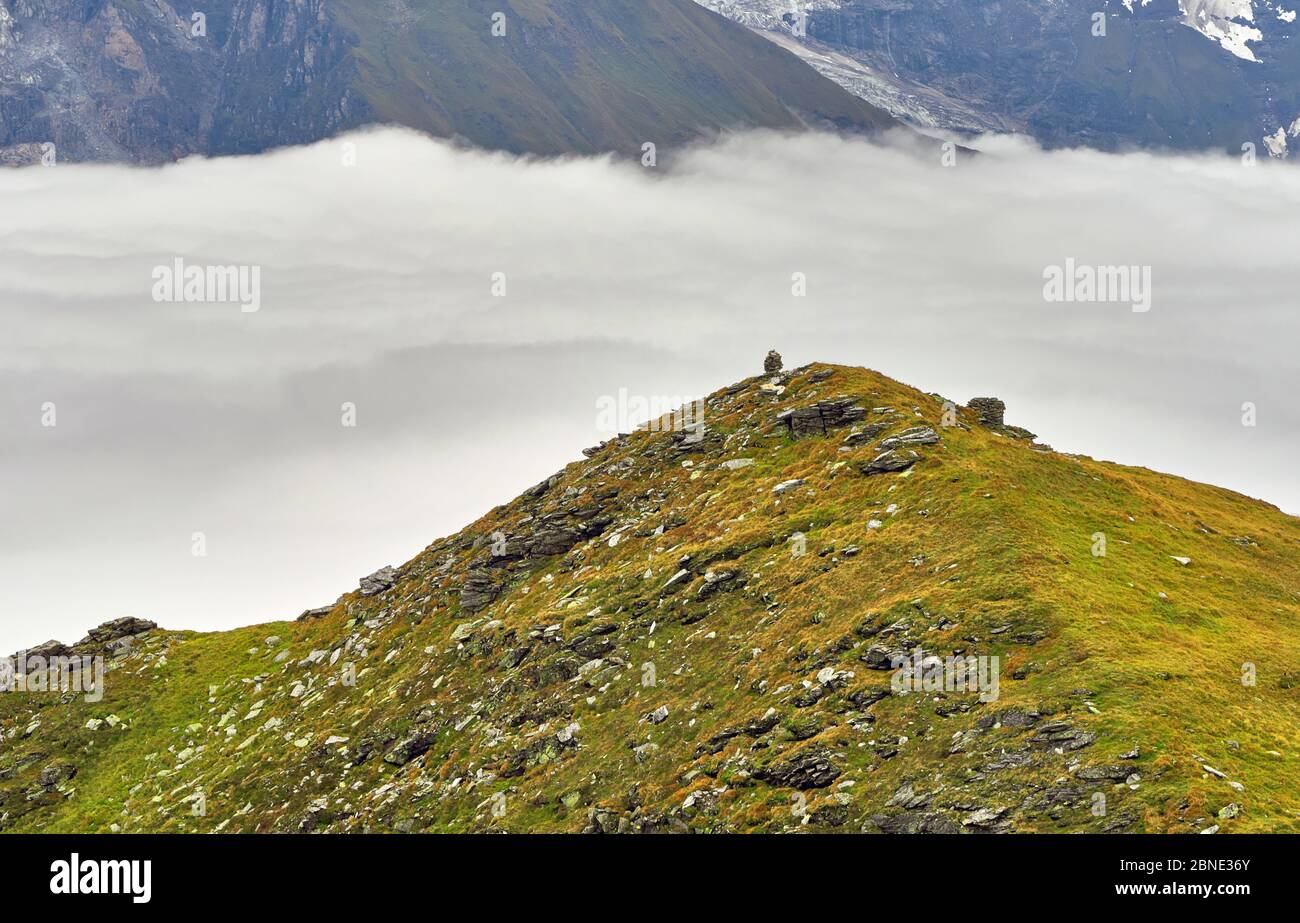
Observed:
{"x":1180,"y":74}
{"x":695,"y":630}
{"x":118,"y":80}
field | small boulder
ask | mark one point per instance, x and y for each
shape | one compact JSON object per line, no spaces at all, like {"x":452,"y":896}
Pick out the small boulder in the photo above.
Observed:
{"x":889,"y":461}
{"x":465,"y":630}
{"x":56,"y":774}
{"x":380,"y":580}
{"x":415,"y":744}
{"x":916,"y":435}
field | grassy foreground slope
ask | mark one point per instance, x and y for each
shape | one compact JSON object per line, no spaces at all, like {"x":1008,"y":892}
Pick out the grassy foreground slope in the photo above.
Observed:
{"x":636,"y":645}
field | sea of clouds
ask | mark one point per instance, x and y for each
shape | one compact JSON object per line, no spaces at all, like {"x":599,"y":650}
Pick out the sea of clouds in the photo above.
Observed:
{"x":376,"y":290}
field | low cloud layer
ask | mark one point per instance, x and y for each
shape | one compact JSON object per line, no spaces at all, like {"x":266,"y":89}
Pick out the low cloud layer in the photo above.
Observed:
{"x":376,"y":290}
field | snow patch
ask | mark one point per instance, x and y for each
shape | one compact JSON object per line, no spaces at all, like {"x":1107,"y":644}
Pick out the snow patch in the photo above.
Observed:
{"x":765,"y":14}
{"x":1276,"y":143}
{"x":1222,"y":21}
{"x":6,"y":28}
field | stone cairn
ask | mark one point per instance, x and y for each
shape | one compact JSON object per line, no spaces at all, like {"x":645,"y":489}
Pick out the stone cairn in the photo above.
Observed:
{"x":989,"y":409}
{"x":772,"y":364}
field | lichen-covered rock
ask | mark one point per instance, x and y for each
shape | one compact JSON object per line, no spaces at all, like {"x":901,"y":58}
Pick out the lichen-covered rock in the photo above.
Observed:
{"x":546,"y":749}
{"x":819,"y":418}
{"x":379,"y":581}
{"x":1061,"y":734}
{"x":117,"y":628}
{"x":479,"y":590}
{"x":916,"y":435}
{"x":410,"y":747}
{"x":912,"y":822}
{"x":988,"y":410}
{"x":889,"y":461}
{"x":47,"y":650}
{"x":56,"y":773}
{"x":1106,"y":772}
{"x":807,"y":769}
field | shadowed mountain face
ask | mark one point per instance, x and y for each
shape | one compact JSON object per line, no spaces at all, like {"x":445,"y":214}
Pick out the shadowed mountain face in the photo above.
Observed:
{"x":1191,"y":75}
{"x":147,"y":82}
{"x":818,"y":599}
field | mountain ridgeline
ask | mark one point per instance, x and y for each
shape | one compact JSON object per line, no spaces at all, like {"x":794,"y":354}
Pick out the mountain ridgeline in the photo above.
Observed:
{"x":746,"y":624}
{"x":1114,"y":75}
{"x":111,"y":80}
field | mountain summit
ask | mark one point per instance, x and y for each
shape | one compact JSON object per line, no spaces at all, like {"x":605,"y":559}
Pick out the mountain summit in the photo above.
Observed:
{"x":827,"y":601}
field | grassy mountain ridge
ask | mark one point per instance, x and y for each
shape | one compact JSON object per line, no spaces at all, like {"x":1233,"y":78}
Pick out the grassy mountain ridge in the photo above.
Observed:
{"x":585,"y":77}
{"x":636,"y":644}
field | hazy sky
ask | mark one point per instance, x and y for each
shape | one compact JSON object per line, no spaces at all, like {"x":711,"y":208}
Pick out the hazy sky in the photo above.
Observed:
{"x":376,"y":289}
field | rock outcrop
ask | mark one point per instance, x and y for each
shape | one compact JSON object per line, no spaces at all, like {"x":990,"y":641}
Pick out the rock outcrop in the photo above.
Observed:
{"x":114,"y":630}
{"x":988,"y":410}
{"x":381,"y":580}
{"x":819,"y":418}
{"x":990,"y":413}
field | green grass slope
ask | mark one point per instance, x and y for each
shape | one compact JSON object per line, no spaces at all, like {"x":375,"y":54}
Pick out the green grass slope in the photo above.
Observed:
{"x":636,"y":645}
